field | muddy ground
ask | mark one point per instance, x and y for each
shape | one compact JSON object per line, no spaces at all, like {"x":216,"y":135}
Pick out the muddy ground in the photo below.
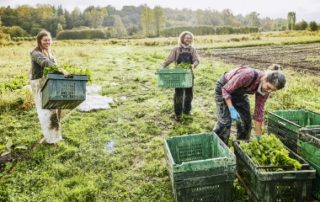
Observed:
{"x":302,"y":57}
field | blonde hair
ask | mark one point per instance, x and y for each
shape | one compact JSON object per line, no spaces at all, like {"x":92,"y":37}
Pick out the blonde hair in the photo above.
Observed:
{"x":182,"y":35}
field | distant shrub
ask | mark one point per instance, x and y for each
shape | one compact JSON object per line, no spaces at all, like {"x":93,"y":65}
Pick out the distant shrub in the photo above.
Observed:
{"x":4,"y":38}
{"x":303,"y":25}
{"x":313,"y":26}
{"x":198,"y":30}
{"x":209,"y":30}
{"x":84,"y":34}
{"x":30,"y":38}
{"x":151,"y":43}
{"x":15,"y":31}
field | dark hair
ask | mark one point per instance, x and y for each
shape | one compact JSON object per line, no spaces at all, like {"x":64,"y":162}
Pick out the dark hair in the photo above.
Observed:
{"x":276,"y":77}
{"x":39,"y":37}
{"x":275,"y":67}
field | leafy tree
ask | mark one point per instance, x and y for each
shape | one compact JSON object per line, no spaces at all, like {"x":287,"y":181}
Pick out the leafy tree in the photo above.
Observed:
{"x":253,"y":19}
{"x":147,"y":19}
{"x":303,"y":25}
{"x":118,"y":27}
{"x":94,"y":16}
{"x":25,"y":17}
{"x":43,"y":13}
{"x":159,"y":19}
{"x":76,"y":18}
{"x":291,"y":20}
{"x":59,"y":28}
{"x":313,"y":26}
{"x":68,"y":18}
{"x":15,"y":31}
{"x":229,"y":18}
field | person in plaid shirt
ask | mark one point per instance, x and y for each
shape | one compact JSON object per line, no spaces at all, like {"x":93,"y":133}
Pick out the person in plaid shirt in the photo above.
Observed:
{"x":231,"y":96}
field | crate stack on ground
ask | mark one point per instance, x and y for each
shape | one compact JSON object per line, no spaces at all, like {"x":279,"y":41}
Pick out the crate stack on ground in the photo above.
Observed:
{"x":309,"y":149}
{"x":286,"y":124}
{"x":201,"y":168}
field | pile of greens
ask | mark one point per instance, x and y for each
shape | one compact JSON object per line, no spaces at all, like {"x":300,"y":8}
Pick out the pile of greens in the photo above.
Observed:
{"x":71,"y":69}
{"x":183,"y":66}
{"x":269,"y":151}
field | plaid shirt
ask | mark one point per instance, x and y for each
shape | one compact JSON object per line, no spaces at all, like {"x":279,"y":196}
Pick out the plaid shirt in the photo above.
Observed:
{"x":242,"y":77}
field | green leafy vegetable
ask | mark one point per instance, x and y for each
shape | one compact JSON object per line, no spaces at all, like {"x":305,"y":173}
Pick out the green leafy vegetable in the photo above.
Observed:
{"x":71,"y":69}
{"x":269,"y":151}
{"x":183,"y":66}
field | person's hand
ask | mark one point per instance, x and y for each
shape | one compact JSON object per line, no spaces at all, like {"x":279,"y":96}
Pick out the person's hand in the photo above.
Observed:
{"x":66,"y":74}
{"x":234,"y":114}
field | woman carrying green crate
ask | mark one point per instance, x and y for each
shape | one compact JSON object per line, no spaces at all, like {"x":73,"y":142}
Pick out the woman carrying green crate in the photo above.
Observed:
{"x":42,"y":57}
{"x":183,"y":54}
{"x":231,"y":96}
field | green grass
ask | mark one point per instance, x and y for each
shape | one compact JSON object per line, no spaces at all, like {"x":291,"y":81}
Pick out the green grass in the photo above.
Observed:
{"x":81,"y":169}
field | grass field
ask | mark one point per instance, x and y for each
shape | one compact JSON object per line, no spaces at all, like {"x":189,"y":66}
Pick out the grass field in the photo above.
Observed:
{"x":80,"y":168}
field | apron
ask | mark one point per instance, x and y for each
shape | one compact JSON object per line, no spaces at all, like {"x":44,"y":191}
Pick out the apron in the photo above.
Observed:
{"x":50,"y":125}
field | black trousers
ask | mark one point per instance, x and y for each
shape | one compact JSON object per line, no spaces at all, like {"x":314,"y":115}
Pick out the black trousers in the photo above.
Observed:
{"x":241,"y":102}
{"x":182,"y":100}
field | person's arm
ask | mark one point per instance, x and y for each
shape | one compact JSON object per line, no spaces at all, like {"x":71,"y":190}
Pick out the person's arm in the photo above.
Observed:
{"x":41,"y":59}
{"x":229,"y":102}
{"x":44,"y":61}
{"x":195,"y":59}
{"x":258,"y":128}
{"x":259,"y":113}
{"x":171,"y":58}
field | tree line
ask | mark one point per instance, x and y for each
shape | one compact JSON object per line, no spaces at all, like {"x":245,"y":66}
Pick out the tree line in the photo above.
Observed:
{"x":142,"y":21}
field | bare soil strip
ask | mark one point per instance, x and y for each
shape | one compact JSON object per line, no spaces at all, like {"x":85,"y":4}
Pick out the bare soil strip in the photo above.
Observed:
{"x":302,"y":57}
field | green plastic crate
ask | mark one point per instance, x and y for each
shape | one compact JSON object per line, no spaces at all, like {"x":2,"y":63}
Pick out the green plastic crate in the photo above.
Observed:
{"x":175,"y":78}
{"x":201,"y":168}
{"x":287,"y":123}
{"x":264,"y":184}
{"x":59,"y":92}
{"x":309,"y":149}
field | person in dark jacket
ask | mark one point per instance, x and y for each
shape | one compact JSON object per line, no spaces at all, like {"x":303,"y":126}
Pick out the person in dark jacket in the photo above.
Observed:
{"x":231,"y":97}
{"x":42,"y":57}
{"x":184,"y":53}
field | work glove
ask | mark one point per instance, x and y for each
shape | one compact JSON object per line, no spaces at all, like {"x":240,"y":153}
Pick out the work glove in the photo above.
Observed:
{"x":234,"y":114}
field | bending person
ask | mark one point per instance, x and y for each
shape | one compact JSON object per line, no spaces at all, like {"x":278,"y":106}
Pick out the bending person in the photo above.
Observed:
{"x":231,"y":96}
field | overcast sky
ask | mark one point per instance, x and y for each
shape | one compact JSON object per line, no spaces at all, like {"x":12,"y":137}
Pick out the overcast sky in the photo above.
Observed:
{"x":305,"y":9}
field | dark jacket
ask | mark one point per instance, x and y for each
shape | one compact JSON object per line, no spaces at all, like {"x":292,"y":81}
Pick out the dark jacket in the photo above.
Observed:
{"x":38,"y":62}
